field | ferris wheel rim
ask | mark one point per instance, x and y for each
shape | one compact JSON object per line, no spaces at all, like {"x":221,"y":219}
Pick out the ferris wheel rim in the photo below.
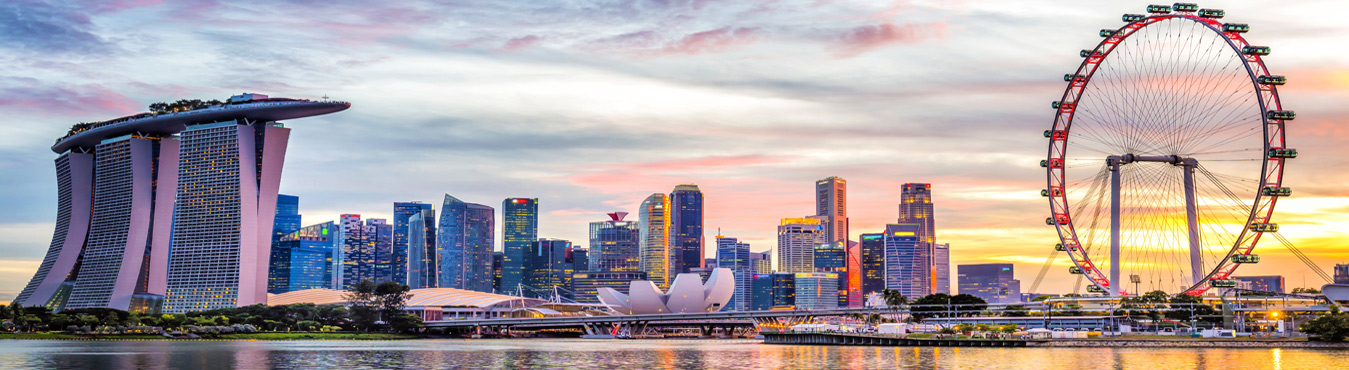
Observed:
{"x":1271,"y":169}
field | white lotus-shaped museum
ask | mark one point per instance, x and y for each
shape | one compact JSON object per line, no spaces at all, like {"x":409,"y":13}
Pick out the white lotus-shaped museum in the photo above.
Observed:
{"x":688,"y":294}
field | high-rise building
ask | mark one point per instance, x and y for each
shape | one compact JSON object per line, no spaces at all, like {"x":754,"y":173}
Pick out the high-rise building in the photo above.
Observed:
{"x":873,"y":263}
{"x":908,"y":266}
{"x":773,"y":290}
{"x":412,"y":261}
{"x":303,"y":260}
{"x":1342,"y":273}
{"x":115,"y":262}
{"x":497,"y":259}
{"x":287,"y":219}
{"x":831,"y":202}
{"x":686,"y":229}
{"x":833,"y":258}
{"x":762,"y":292}
{"x":797,"y":239}
{"x":654,"y":221}
{"x":419,"y":266}
{"x":203,"y":179}
{"x":614,"y":245}
{"x":735,"y":255}
{"x":464,"y":242}
{"x":1269,"y":283}
{"x":382,"y":244}
{"x":941,"y":267}
{"x":549,"y":266}
{"x":358,"y":251}
{"x":816,"y":291}
{"x":580,"y":259}
{"x":991,"y":281}
{"x":762,"y":262}
{"x":519,"y":228}
{"x":852,"y":277}
{"x":915,"y":207}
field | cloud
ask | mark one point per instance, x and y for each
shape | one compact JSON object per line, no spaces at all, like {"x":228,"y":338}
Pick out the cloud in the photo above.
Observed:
{"x":41,"y":28}
{"x":862,"y":39}
{"x":29,"y":95}
{"x":712,"y":41}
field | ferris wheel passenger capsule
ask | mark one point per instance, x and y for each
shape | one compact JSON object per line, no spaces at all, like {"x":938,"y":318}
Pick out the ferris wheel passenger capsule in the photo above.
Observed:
{"x":1236,"y":27}
{"x":1282,"y":153}
{"x":1212,"y":13}
{"x":1246,"y":258}
{"x":1087,"y":53}
{"x":1059,"y":247}
{"x":1133,"y":17}
{"x":1075,"y":270}
{"x":1272,"y":80}
{"x":1095,"y":289}
{"x":1285,"y":115}
{"x":1264,"y":227}
{"x":1223,"y":283}
{"x":1107,"y":32}
{"x":1159,"y":9}
{"x":1185,"y":7}
{"x":1255,"y":50}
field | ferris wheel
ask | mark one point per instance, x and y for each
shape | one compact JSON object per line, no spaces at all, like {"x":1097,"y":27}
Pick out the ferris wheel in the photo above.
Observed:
{"x":1167,"y":154}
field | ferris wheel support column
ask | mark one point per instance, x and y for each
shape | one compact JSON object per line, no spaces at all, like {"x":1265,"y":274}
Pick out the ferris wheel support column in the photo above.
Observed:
{"x":1188,"y":166}
{"x":1114,"y":163}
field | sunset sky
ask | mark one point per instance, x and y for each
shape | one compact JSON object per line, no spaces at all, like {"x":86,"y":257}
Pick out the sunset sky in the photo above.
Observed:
{"x":593,"y":105}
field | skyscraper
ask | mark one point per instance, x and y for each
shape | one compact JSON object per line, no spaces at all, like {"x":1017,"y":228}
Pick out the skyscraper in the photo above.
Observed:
{"x":203,"y":179}
{"x":908,"y":266}
{"x":991,"y":281}
{"x":817,"y":291}
{"x":915,"y":207}
{"x":654,"y":220}
{"x":497,"y":259}
{"x":941,"y":266}
{"x":358,"y":251}
{"x":873,"y":263}
{"x":382,"y":244}
{"x":831,"y":201}
{"x":686,"y":229}
{"x":833,"y":258}
{"x":464,"y":244}
{"x":549,"y":265}
{"x":419,"y":267}
{"x":520,"y":226}
{"x":303,"y":260}
{"x":735,"y":255}
{"x":1268,"y":283}
{"x":614,"y":245}
{"x":797,"y":239}
{"x":762,"y":262}
{"x":409,"y":256}
{"x":287,"y":219}
{"x":853,"y":276}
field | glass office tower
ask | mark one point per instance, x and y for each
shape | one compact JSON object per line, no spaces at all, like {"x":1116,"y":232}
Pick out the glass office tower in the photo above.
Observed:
{"x":686,"y":229}
{"x":464,"y":245}
{"x":520,"y":227}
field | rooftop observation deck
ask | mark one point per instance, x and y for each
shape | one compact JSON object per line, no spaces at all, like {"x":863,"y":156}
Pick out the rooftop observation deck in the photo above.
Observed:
{"x":170,"y":123}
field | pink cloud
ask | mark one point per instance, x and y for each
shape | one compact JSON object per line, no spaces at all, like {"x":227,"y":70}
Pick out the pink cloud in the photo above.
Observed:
{"x":862,"y":39}
{"x":703,"y":162}
{"x":716,"y":40}
{"x":89,"y":99}
{"x":521,"y":43}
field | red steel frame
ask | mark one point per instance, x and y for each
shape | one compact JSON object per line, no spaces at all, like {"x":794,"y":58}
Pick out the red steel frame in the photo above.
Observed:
{"x":1262,"y":209}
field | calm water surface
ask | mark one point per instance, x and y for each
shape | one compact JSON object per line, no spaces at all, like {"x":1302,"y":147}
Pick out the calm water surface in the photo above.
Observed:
{"x":628,"y":354}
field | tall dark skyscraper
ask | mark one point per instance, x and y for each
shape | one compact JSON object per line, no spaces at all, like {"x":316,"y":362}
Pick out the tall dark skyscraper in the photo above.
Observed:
{"x":833,"y":258}
{"x":357,"y":241}
{"x":464,"y":245}
{"x":549,"y":264}
{"x":615,"y":245}
{"x":735,"y":255}
{"x":412,"y":261}
{"x":686,"y":228}
{"x":991,"y":281}
{"x":519,"y":228}
{"x":915,"y":207}
{"x":872,"y":260}
{"x":382,"y":243}
{"x":287,"y":216}
{"x":201,"y":176}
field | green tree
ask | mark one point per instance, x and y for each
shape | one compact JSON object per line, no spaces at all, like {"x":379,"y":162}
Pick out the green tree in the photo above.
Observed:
{"x":391,"y":298}
{"x":172,"y":320}
{"x":405,"y":322}
{"x":1306,"y":291}
{"x":1185,"y":306}
{"x":1015,"y":310}
{"x":361,"y":302}
{"x":58,"y":321}
{"x":308,"y":325}
{"x":1332,"y":326}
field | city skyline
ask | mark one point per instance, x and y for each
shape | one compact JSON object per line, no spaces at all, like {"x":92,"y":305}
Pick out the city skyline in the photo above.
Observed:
{"x":752,"y":170}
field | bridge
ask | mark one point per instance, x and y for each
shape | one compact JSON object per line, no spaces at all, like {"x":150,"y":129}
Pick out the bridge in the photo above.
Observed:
{"x":707,"y":321}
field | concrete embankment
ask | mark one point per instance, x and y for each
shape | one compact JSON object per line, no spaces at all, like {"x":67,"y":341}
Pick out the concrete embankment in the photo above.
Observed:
{"x":836,"y":339}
